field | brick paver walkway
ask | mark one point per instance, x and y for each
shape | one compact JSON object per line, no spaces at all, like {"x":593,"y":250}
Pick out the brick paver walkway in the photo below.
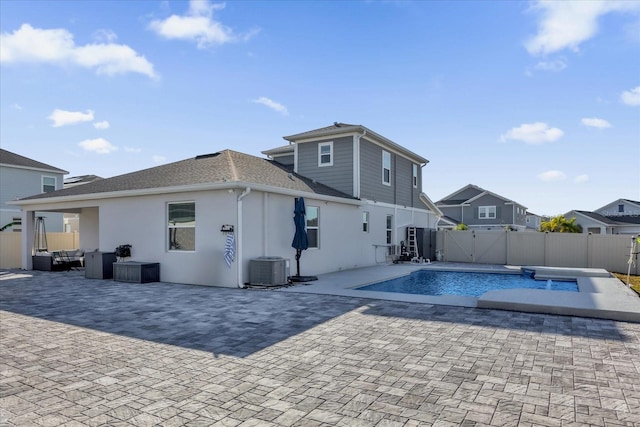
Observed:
{"x":79,"y":352}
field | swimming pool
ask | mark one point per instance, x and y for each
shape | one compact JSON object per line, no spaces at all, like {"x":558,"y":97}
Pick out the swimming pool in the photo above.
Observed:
{"x":430,"y":282}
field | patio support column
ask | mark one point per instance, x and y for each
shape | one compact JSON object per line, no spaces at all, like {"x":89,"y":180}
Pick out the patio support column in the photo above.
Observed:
{"x":28,"y":231}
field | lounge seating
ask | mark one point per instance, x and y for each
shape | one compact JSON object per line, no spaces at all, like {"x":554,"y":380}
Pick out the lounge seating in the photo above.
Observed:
{"x":58,"y":260}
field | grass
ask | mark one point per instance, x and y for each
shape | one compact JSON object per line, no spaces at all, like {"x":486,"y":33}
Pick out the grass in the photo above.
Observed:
{"x":633,"y":280}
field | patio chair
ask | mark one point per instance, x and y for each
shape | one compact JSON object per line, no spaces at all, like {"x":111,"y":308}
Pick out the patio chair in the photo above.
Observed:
{"x":61,"y":260}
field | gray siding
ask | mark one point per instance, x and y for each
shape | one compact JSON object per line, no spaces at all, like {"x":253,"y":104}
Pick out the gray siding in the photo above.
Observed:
{"x":504,"y":213}
{"x":284,"y":160}
{"x":18,"y":183}
{"x":338,"y":176}
{"x":417,"y":203}
{"x":403,"y":182}
{"x":371,"y":186}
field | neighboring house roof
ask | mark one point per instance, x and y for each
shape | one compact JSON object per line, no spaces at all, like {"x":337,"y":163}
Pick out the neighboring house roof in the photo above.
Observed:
{"x":223,"y":168}
{"x":447,"y":220}
{"x":635,"y":202}
{"x":595,"y":217}
{"x":79,"y":180}
{"x":7,"y":158}
{"x":451,"y":199}
{"x":343,"y":128}
{"x":625,"y":219}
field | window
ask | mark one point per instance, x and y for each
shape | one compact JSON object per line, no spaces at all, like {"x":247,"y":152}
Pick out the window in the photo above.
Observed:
{"x":487,"y":212}
{"x":389,"y":228}
{"x":48,"y":184}
{"x":182,"y":226}
{"x":325,"y":154}
{"x":365,"y":222}
{"x":17,"y":224}
{"x":386,"y":168}
{"x":415,"y":176}
{"x":313,"y":226}
{"x":620,"y":208}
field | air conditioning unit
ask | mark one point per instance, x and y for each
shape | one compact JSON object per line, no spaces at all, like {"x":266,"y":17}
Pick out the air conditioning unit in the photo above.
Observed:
{"x":269,"y":271}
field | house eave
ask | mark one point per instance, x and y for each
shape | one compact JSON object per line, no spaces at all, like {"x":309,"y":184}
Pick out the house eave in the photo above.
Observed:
{"x":231,"y":185}
{"x":56,"y":171}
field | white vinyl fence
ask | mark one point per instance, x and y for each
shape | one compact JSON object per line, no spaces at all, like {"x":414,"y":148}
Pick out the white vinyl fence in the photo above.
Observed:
{"x":610,"y":252}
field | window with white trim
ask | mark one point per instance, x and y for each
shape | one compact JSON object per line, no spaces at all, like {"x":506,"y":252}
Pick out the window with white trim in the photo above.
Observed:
{"x":487,"y":212}
{"x":386,"y":168}
{"x":181,"y":225}
{"x":415,"y":176}
{"x":325,"y":154}
{"x":48,"y":184}
{"x":313,"y":226}
{"x":365,"y":222}
{"x":389,"y":229}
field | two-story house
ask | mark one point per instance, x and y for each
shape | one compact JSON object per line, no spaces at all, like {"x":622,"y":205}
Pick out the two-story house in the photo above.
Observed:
{"x":21,"y":177}
{"x":362,"y":192}
{"x":621,"y":216}
{"x":481,"y":209}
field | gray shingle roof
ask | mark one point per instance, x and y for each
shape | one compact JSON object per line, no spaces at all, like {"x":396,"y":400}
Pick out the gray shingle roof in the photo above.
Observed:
{"x":225,"y":166}
{"x":597,"y":217}
{"x":12,"y":159}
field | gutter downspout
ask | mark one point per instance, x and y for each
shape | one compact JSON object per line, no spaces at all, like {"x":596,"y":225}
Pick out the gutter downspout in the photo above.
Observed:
{"x":239,"y":236}
{"x":356,"y":164}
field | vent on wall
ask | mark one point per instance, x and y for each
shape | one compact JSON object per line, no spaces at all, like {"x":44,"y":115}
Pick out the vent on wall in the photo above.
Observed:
{"x":270,"y":271}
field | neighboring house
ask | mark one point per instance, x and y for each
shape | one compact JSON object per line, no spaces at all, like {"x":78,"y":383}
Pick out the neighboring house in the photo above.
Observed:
{"x":480,"y":209}
{"x":533,"y":221}
{"x":619,"y":217}
{"x":21,"y":177}
{"x":72,"y":220}
{"x":176,"y":214}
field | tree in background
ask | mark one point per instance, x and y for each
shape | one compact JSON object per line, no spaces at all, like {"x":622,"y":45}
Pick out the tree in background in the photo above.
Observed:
{"x":560,"y":224}
{"x":462,"y":227}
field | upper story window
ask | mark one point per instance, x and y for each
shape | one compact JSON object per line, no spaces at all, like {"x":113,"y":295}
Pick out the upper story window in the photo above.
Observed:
{"x":386,"y":168}
{"x":181,"y":222}
{"x":48,"y":184}
{"x":365,"y":222}
{"x":325,"y":154}
{"x":486,"y":212}
{"x":620,"y":208}
{"x":313,"y":226}
{"x":389,"y":229}
{"x":415,"y":176}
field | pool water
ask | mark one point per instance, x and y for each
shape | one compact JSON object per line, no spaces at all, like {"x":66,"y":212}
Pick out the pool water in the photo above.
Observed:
{"x":428,"y":282}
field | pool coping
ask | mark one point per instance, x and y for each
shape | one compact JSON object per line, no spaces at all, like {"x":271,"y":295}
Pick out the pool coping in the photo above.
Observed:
{"x":600,"y":294}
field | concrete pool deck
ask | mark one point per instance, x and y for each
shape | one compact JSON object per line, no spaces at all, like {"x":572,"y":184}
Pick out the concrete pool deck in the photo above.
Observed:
{"x":601,"y":295}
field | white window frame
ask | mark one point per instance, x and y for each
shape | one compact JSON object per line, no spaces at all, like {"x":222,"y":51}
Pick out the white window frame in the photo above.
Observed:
{"x":320,"y":154}
{"x":55,"y":183}
{"x":386,"y":161}
{"x":178,"y":226}
{"x":415,"y":176}
{"x":484,"y":212}
{"x":314,"y":227}
{"x":389,"y":228}
{"x":365,"y":222}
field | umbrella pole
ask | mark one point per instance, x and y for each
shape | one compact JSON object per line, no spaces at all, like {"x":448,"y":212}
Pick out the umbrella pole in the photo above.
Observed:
{"x":298,"y":253}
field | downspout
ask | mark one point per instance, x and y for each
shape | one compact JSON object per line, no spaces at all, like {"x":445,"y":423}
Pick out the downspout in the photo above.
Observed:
{"x":239,"y":236}
{"x":356,"y":164}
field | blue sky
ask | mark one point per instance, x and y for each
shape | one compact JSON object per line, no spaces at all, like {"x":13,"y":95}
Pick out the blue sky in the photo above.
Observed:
{"x":536,"y":101}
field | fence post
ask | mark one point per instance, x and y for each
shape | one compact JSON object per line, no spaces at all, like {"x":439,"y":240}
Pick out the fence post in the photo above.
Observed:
{"x":546,"y":248}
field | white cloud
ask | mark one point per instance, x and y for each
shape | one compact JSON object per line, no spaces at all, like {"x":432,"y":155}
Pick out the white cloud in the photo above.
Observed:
{"x":532,"y":133}
{"x":566,"y":24}
{"x":552,"y":176}
{"x":64,"y":118}
{"x":34,"y":45}
{"x":581,"y":179}
{"x":101,"y":125}
{"x":596,"y":123}
{"x":276,"y":106}
{"x":98,"y":145}
{"x":158,"y":159}
{"x":555,"y":66}
{"x":132,"y":150}
{"x":16,"y":107}
{"x":103,"y":35}
{"x":198,"y":25}
{"x":631,"y":97}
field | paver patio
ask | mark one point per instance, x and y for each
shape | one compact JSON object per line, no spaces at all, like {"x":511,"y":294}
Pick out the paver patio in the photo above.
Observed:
{"x":76,"y":352}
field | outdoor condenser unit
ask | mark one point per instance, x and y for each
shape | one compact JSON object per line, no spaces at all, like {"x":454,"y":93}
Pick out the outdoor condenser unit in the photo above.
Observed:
{"x":269,"y":271}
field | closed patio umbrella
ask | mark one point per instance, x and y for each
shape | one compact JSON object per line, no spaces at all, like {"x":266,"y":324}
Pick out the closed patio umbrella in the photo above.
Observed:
{"x":300,"y":240}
